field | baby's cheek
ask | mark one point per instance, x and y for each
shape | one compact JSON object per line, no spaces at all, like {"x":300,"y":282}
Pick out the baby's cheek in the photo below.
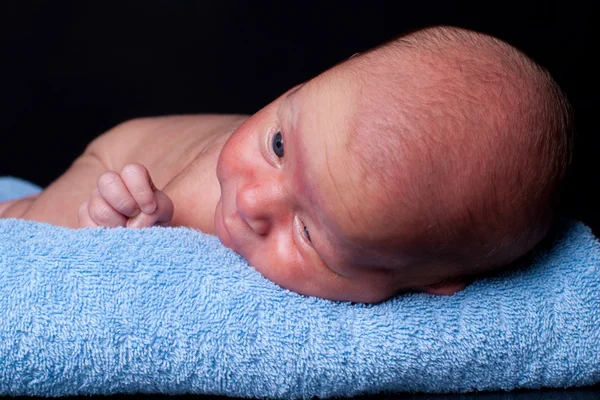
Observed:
{"x":279,"y":264}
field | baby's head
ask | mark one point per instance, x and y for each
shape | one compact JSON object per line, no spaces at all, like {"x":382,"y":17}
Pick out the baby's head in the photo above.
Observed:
{"x":417,"y":165}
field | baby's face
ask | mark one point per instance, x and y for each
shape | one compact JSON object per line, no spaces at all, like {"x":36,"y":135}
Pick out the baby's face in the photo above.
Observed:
{"x":290,"y":202}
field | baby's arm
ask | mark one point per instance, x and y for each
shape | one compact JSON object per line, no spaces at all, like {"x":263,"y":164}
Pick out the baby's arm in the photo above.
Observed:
{"x":56,"y":203}
{"x":166,"y":146}
{"x":126,"y":199}
{"x":59,"y":202}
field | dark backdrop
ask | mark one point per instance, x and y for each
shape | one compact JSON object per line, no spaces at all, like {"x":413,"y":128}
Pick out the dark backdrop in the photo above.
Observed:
{"x":71,"y":70}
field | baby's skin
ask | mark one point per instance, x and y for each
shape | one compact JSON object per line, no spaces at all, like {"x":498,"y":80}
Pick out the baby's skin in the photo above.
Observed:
{"x":181,"y":151}
{"x":331,"y":189}
{"x":231,"y":175}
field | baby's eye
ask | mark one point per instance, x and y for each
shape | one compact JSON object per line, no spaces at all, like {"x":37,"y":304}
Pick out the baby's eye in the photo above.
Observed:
{"x":277,"y":143}
{"x":306,"y":233}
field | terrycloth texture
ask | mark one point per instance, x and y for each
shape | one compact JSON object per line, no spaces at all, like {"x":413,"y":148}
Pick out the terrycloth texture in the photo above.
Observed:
{"x":170,"y":310}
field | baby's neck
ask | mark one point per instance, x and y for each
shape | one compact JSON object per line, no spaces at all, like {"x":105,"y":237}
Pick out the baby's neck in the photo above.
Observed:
{"x":196,"y":191}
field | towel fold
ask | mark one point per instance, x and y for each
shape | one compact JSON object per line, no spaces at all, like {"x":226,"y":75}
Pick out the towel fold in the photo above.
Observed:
{"x":171,"y":310}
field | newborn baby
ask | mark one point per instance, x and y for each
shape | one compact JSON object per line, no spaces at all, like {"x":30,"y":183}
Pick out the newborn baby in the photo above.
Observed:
{"x":418,"y":165}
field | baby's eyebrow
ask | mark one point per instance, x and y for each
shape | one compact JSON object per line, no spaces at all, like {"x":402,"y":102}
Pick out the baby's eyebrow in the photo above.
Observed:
{"x":293,"y":92}
{"x":299,"y":156}
{"x":299,"y":177}
{"x":299,"y":161}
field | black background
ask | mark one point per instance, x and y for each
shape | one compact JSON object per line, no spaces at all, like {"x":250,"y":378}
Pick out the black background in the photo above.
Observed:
{"x":71,"y":70}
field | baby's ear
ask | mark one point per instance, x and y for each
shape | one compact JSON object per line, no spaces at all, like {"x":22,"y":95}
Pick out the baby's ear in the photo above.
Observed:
{"x":444,"y":288}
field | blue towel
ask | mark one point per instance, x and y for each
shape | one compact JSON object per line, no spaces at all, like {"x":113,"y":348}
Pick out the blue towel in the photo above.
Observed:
{"x":12,"y":188}
{"x":170,"y":310}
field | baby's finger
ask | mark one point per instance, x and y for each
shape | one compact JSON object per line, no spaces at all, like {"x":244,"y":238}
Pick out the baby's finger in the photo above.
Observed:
{"x":83,"y":218}
{"x":164,"y":208}
{"x":142,"y":220}
{"x":102,"y":213}
{"x":138,"y":182}
{"x":162,"y":216}
{"x":113,"y":190}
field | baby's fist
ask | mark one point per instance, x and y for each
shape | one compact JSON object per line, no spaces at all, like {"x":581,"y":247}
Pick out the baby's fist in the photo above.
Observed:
{"x":126,"y":199}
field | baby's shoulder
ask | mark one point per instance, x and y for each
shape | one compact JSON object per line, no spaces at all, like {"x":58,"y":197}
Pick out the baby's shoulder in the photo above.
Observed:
{"x":165,"y":145}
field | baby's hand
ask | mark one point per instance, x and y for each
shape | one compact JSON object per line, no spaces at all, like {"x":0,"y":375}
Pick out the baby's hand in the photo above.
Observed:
{"x":127,"y":199}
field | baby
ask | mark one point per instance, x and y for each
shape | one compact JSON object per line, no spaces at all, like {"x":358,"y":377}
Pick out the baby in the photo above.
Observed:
{"x":418,"y":165}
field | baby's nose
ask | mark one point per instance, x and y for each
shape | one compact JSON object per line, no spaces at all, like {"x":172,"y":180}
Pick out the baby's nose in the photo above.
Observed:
{"x":260,"y":206}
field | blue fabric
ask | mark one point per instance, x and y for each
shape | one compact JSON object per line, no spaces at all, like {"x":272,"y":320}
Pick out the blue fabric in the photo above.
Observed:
{"x":170,"y":310}
{"x":13,"y":188}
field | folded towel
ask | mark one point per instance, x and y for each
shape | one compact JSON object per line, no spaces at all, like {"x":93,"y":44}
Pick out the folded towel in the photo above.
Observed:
{"x":170,"y":310}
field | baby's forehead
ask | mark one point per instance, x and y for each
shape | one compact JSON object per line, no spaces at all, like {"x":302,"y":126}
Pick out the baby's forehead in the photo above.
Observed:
{"x":331,"y":156}
{"x":339,"y":145}
{"x":351,"y":217}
